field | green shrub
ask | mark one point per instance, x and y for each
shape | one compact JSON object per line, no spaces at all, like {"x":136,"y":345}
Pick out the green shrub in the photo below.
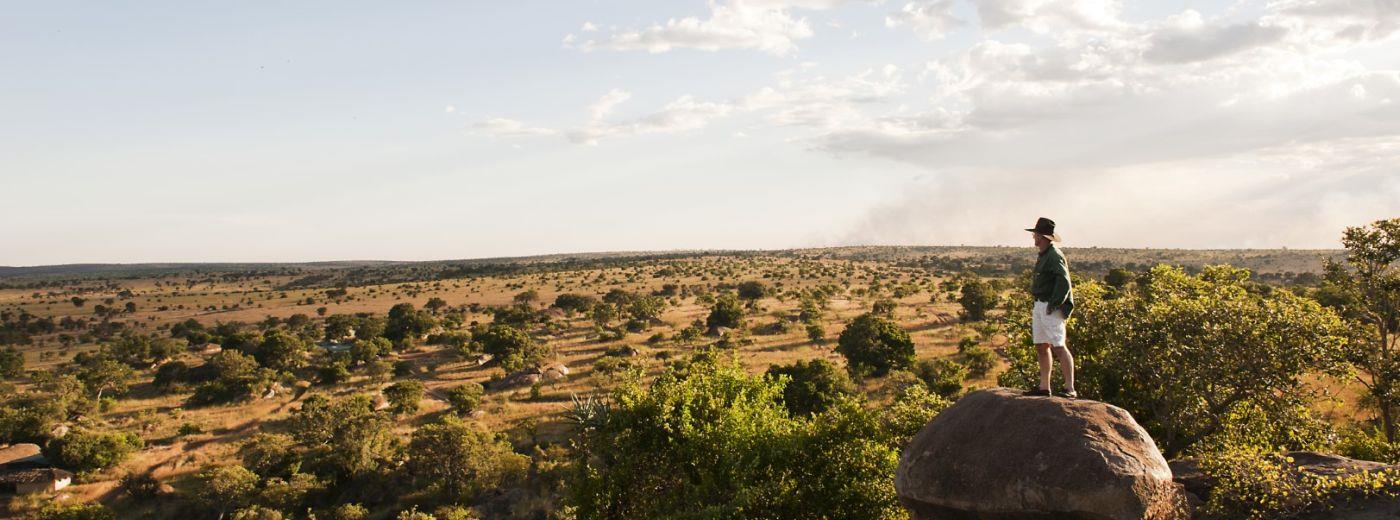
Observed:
{"x":1255,"y":484}
{"x":977,"y":298}
{"x":812,"y":386}
{"x":979,"y":360}
{"x":404,"y":396}
{"x":876,"y":344}
{"x":460,"y":460}
{"x":57,"y":511}
{"x":85,"y":450}
{"x":726,"y":312}
{"x":707,"y":439}
{"x":513,"y":348}
{"x":465,"y":397}
{"x":943,"y":376}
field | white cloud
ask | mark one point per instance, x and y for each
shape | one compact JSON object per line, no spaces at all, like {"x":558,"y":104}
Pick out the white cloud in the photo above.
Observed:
{"x":930,"y":19}
{"x":1043,"y":16}
{"x":607,"y":103}
{"x":505,"y":127}
{"x":764,"y":25}
{"x":683,"y":114}
{"x":1331,"y":21}
{"x":588,"y":27}
{"x":1187,"y":37}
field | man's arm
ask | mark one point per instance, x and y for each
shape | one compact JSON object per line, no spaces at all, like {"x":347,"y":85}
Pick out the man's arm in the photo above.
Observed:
{"x":1062,"y":287}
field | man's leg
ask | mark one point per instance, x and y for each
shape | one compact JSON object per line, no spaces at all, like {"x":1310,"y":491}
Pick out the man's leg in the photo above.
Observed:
{"x":1066,"y":368}
{"x":1042,"y":354}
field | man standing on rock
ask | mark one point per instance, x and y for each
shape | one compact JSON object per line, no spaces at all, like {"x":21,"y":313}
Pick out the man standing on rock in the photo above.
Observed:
{"x":1054,"y":301}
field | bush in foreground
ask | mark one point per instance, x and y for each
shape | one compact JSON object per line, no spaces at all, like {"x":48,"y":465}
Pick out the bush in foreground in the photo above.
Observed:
{"x":708,"y":439}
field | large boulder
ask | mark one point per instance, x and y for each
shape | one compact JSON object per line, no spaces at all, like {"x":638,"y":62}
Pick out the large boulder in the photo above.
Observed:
{"x":999,"y":454}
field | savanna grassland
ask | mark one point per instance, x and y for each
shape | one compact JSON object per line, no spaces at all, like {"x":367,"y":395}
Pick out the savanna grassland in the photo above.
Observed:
{"x":660,"y":310}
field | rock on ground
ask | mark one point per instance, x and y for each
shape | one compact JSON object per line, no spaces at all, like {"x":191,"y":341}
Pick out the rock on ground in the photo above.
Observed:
{"x":998,"y":454}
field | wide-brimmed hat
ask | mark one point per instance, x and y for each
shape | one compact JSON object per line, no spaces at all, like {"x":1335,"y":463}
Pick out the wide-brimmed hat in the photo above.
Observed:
{"x":1046,"y":228}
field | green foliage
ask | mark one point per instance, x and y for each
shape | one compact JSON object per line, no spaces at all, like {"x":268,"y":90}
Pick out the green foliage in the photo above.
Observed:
{"x":11,"y":363}
{"x":646,"y":308}
{"x":726,"y":312}
{"x":139,"y":486}
{"x":224,"y":488}
{"x":58,"y":511}
{"x":752,"y":290}
{"x":289,"y":493}
{"x":170,"y":376}
{"x":140,"y":350}
{"x":875,"y":344}
{"x":365,"y":351}
{"x":513,"y":348}
{"x":979,"y":360}
{"x":942,"y":376}
{"x":236,"y":376}
{"x":1255,"y":484}
{"x":282,"y":351}
{"x":816,"y":333}
{"x":101,"y":374}
{"x":812,"y":386}
{"x":271,"y":455}
{"x":404,"y":396}
{"x":84,"y":450}
{"x":406,"y":322}
{"x":708,"y":440}
{"x":459,"y":461}
{"x":465,"y":397}
{"x":571,"y":303}
{"x":1366,"y":290}
{"x":1365,"y":443}
{"x":344,"y":439}
{"x":884,"y":307}
{"x":977,"y":297}
{"x":1118,"y":278}
{"x":1180,"y":352}
{"x":348,"y":512}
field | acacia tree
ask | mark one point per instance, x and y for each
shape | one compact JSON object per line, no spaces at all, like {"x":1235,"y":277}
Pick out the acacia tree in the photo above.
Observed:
{"x":1366,"y":290}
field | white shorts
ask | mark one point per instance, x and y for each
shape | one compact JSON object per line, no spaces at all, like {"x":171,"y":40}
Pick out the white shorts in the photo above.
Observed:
{"x":1047,"y":328}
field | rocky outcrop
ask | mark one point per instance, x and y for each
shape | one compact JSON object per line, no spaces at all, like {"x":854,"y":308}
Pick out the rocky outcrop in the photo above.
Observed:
{"x":998,"y":454}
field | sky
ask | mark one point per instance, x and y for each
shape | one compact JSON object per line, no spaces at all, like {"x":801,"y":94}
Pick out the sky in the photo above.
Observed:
{"x":187,"y":131}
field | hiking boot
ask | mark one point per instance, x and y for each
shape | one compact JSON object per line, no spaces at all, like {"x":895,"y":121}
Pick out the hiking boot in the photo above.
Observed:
{"x":1068,"y":394}
{"x":1037,"y":392}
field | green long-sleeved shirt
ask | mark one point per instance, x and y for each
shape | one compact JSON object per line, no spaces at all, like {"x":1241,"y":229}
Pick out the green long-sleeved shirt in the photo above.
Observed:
{"x":1051,"y":281}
